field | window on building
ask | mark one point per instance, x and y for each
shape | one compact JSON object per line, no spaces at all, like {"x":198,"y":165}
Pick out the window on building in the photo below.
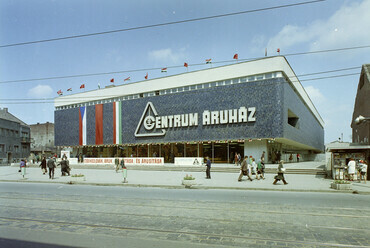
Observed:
{"x":293,"y":119}
{"x":186,"y":88}
{"x":193,"y":87}
{"x":200,"y":86}
{"x":2,"y":148}
{"x":24,"y":149}
{"x":236,"y":81}
{"x":16,"y":148}
{"x":227,"y":82}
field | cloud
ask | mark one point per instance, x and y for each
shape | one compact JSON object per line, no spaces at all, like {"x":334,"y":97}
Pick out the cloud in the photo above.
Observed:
{"x":40,"y":91}
{"x":346,"y":27}
{"x":167,"y":55}
{"x":315,"y":94}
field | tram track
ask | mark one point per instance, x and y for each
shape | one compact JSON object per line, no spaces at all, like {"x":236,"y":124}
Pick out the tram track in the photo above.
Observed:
{"x":279,"y":212}
{"x":164,"y":231}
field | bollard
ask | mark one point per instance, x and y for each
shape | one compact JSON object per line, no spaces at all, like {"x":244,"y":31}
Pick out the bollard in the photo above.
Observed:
{"x":124,"y":173}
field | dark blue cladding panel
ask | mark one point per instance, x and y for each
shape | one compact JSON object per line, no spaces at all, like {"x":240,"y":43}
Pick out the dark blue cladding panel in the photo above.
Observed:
{"x":308,"y":130}
{"x":66,"y":127}
{"x":90,"y":125}
{"x":108,"y":123}
{"x":265,"y":95}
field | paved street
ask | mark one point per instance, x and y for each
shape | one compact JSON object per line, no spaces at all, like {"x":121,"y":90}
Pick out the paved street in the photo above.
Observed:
{"x":110,"y":216}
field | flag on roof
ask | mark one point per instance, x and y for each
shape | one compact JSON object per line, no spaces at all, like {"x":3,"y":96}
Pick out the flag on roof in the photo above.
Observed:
{"x":186,"y":64}
{"x":146,"y":76}
{"x":164,"y":69}
{"x":70,"y":89}
{"x":82,"y":86}
{"x":235,"y":56}
{"x":127,"y":79}
{"x":278,"y":50}
{"x":208,"y":61}
{"x":60,"y":92}
{"x":112,"y":80}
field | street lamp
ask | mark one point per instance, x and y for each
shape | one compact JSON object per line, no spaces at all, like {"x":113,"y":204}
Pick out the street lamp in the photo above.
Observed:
{"x":360,"y":119}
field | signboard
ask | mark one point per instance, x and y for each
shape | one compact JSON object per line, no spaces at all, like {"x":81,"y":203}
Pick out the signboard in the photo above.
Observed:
{"x":189,"y":161}
{"x":144,"y":161}
{"x":98,"y":161}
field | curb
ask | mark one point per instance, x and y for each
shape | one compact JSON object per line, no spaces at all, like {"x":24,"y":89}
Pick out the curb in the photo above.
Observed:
{"x":193,"y":187}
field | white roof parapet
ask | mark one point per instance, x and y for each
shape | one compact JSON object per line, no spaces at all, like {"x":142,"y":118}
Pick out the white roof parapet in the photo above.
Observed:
{"x":259,"y":66}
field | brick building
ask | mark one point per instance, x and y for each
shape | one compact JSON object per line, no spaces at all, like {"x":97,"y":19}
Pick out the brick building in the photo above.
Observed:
{"x":246,"y":108}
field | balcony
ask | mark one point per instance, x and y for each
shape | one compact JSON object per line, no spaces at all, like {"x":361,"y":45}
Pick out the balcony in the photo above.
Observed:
{"x":25,"y":140}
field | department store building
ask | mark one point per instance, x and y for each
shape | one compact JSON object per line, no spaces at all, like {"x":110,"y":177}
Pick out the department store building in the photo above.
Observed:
{"x":247,"y":108}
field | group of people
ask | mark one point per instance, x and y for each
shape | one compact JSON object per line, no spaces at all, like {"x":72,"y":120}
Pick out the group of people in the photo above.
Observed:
{"x":362,"y":169}
{"x":51,"y":165}
{"x":249,"y":167}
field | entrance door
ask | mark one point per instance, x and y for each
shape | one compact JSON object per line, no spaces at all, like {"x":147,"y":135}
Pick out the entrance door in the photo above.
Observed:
{"x":9,"y":158}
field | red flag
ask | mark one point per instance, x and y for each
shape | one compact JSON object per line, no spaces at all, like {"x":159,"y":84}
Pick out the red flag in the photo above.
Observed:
{"x":112,"y":80}
{"x":127,"y":79}
{"x":82,"y":86}
{"x":70,"y":89}
{"x":235,"y":56}
{"x":60,"y":92}
{"x":278,"y":50}
{"x":146,"y":76}
{"x":164,"y":69}
{"x":186,"y":65}
{"x":208,"y":61}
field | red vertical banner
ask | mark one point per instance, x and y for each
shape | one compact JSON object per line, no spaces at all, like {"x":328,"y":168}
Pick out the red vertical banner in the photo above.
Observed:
{"x":114,"y":123}
{"x":99,"y":124}
{"x":80,"y":137}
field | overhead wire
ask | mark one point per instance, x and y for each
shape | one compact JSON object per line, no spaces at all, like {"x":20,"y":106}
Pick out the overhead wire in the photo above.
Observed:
{"x":177,"y":66}
{"x":159,"y":24}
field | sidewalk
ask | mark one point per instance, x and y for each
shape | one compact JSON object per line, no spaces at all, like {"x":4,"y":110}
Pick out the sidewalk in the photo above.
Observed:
{"x":173,"y":179}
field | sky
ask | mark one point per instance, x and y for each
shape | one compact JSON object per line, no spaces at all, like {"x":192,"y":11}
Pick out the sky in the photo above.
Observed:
{"x":321,"y":25}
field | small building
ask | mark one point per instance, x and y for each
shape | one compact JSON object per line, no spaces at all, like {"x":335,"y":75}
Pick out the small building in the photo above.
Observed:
{"x":43,"y":139}
{"x":339,"y":153}
{"x":15,"y":138}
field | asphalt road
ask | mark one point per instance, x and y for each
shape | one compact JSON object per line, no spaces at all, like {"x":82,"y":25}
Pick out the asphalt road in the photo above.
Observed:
{"x":60,"y":215}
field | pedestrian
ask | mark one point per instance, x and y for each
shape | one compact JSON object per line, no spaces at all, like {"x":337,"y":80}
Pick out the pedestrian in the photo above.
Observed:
{"x":291,"y":158}
{"x":244,"y":170}
{"x":116,"y":162}
{"x":260,"y":170}
{"x":298,"y":157}
{"x":22,"y":166}
{"x":236,"y":159}
{"x":64,"y":164}
{"x":208,"y":170}
{"x":363,"y":170}
{"x":43,"y":166}
{"x":122,"y":163}
{"x":280,"y":175}
{"x":263,"y":156}
{"x":51,"y":165}
{"x":351,"y":168}
{"x":254,"y":167}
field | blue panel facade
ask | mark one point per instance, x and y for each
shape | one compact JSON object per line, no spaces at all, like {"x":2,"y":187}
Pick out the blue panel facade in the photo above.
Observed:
{"x":271,"y":97}
{"x":308,"y":130}
{"x":265,"y":95}
{"x":90,"y":125}
{"x":66,"y":129}
{"x":108,"y":123}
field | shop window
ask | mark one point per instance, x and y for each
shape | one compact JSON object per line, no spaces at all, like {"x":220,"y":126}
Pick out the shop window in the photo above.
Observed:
{"x":293,"y":119}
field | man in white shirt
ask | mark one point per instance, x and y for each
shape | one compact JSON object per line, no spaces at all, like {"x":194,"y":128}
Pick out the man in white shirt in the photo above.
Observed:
{"x":351,"y":168}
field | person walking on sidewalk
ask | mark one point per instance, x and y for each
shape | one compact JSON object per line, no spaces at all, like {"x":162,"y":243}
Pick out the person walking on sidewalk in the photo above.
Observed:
{"x":208,"y":170}
{"x":43,"y":166}
{"x":260,"y":170}
{"x":22,"y":166}
{"x":116,"y":162}
{"x":363,"y":170}
{"x":245,"y":170}
{"x":351,"y":169}
{"x":51,"y":166}
{"x":280,"y":175}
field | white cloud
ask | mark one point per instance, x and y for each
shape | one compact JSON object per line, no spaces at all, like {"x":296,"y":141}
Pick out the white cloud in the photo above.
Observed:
{"x":315,"y":94}
{"x":167,"y":55}
{"x":40,"y":91}
{"x":347,"y":27}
